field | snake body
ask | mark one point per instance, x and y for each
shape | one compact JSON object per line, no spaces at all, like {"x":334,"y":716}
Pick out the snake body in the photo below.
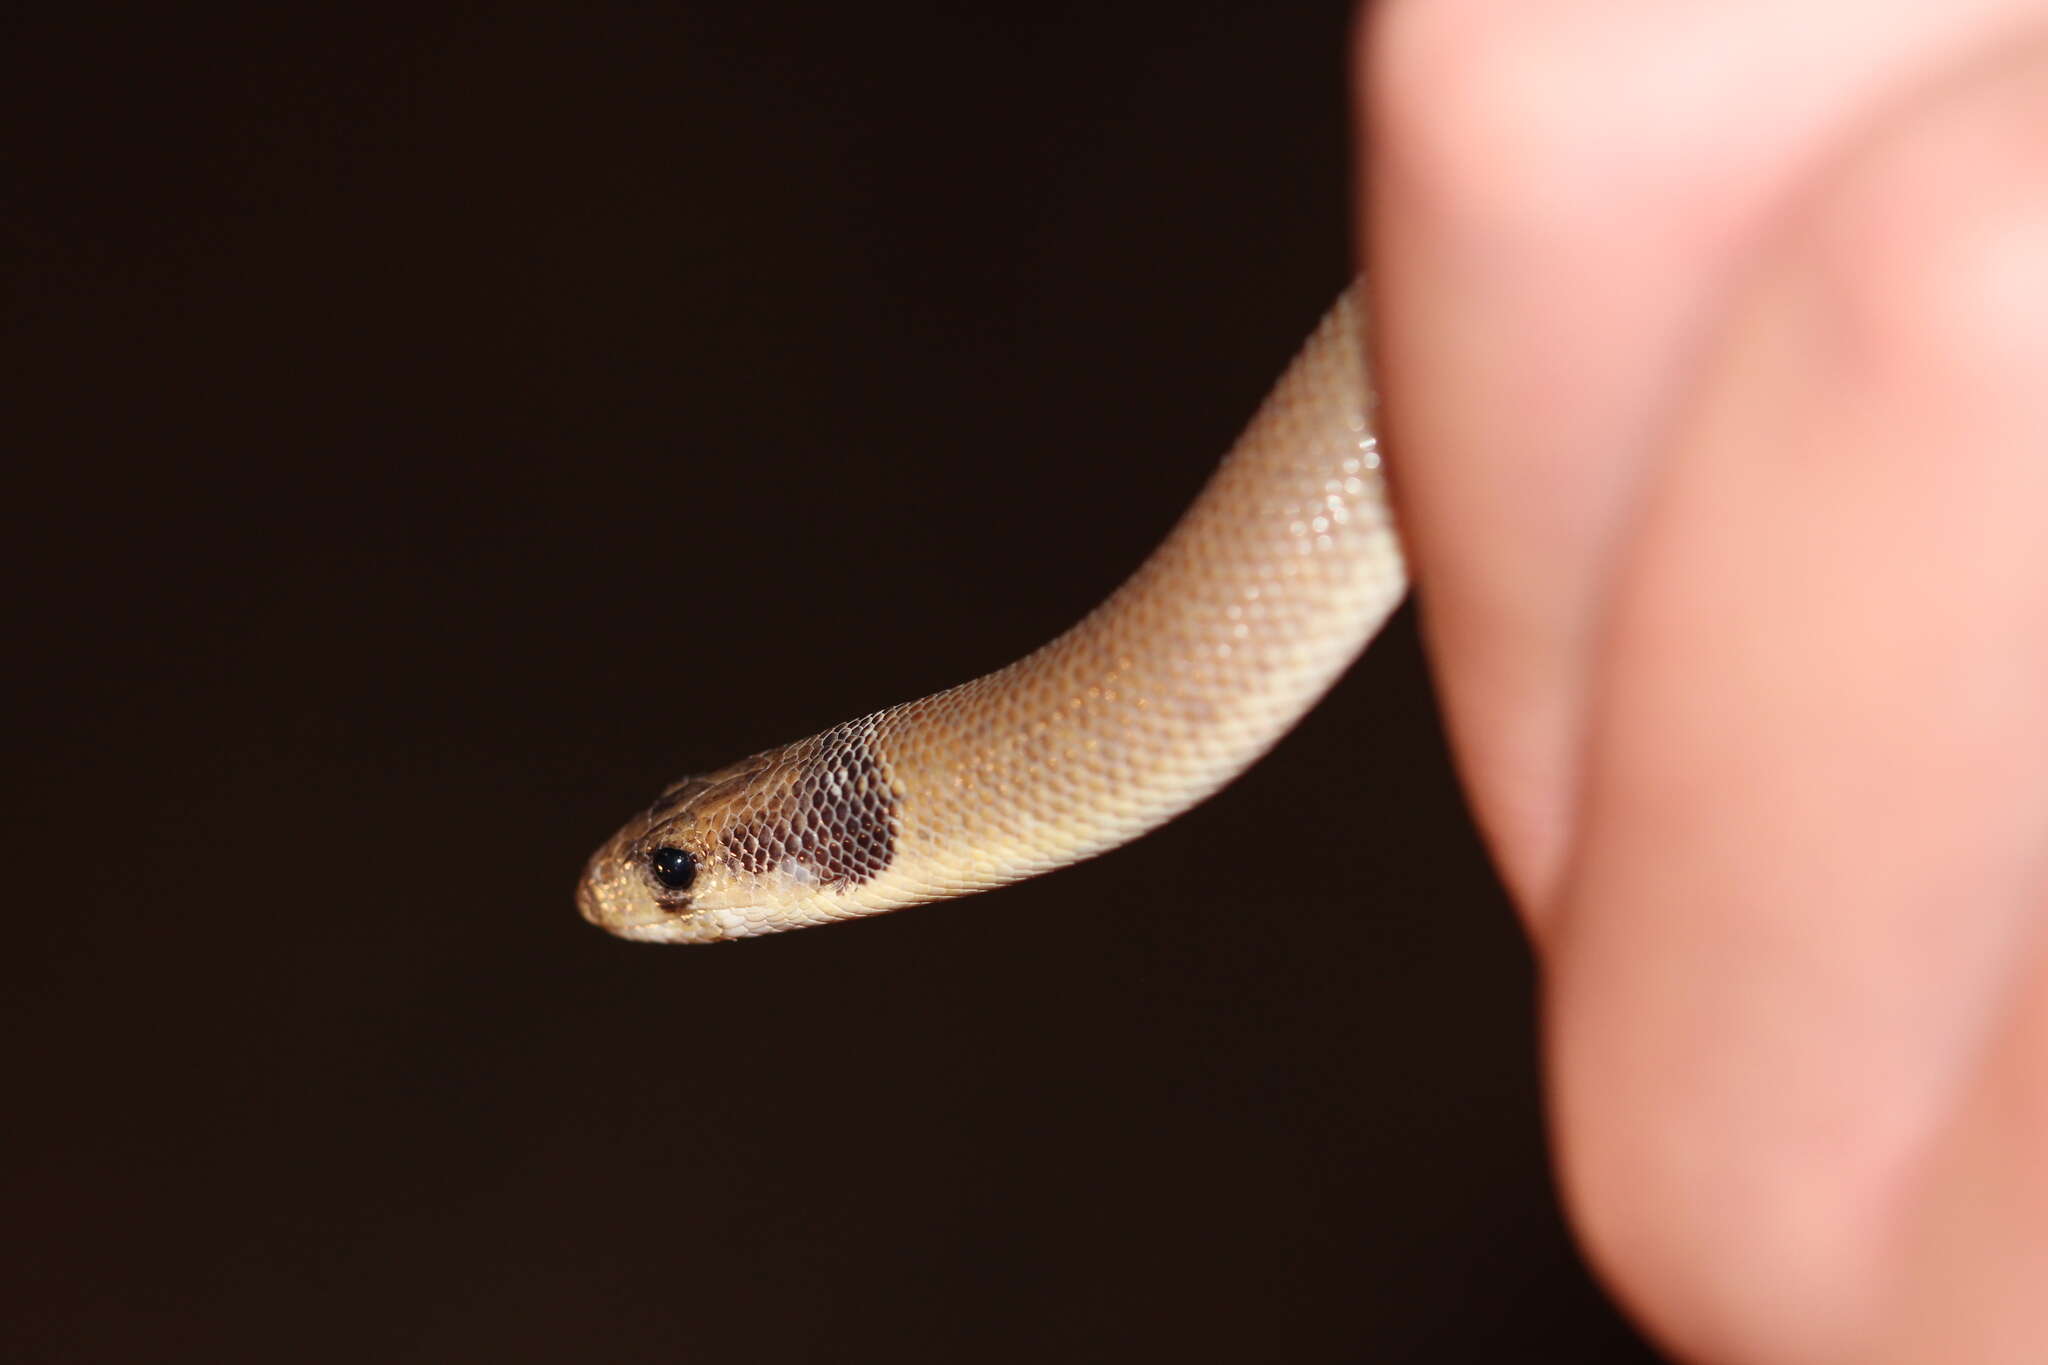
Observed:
{"x":1282,"y":570}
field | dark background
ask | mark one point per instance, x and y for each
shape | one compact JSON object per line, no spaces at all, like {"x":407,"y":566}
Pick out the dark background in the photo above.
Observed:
{"x":434,"y":427}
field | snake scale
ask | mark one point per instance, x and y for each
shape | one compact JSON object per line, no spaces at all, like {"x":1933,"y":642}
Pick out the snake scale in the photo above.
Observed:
{"x":1277,"y":576}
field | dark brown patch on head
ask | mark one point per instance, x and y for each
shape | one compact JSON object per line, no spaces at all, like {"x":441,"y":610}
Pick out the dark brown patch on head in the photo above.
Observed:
{"x":835,"y":815}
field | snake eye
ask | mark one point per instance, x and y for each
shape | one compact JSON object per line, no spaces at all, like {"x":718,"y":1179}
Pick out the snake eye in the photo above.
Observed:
{"x":675,"y":868}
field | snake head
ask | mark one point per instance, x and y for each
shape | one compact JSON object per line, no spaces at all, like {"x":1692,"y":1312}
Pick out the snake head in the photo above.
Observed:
{"x":663,"y":877}
{"x":778,"y":841}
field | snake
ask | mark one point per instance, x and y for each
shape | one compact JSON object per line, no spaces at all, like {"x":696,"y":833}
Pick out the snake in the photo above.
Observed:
{"x":1270,"y":584}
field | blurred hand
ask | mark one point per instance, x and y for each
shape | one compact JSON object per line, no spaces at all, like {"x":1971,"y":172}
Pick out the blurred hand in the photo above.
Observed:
{"x":1714,"y":339}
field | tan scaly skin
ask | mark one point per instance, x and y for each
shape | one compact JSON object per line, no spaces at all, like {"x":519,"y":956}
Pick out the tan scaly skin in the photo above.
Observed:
{"x":1277,"y":576}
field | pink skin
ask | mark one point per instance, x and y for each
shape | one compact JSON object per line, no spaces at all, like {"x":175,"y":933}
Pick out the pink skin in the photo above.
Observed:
{"x":1714,"y":335}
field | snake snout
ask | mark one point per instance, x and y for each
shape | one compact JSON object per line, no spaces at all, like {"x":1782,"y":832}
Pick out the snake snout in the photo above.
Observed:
{"x":603,"y":896}
{"x":587,"y":902}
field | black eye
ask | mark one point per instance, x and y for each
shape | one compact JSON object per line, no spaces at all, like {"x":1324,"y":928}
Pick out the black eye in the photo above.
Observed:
{"x":675,"y":868}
